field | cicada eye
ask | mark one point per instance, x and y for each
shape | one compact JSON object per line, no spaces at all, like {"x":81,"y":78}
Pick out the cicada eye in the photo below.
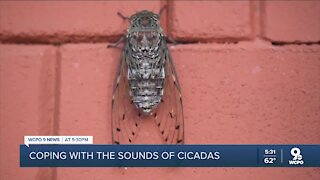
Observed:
{"x":156,"y":17}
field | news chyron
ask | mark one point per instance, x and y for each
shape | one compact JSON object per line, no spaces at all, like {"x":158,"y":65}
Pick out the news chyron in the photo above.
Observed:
{"x":80,"y":151}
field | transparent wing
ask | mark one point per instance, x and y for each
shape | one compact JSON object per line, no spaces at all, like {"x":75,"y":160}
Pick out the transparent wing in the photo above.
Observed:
{"x":125,"y":117}
{"x":169,"y":115}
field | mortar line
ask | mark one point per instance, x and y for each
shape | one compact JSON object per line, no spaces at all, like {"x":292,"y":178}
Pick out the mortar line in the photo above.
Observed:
{"x":57,"y":98}
{"x":56,"y":115}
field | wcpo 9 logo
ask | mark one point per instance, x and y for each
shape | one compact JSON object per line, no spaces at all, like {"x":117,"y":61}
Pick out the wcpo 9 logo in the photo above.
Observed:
{"x":297,"y":156}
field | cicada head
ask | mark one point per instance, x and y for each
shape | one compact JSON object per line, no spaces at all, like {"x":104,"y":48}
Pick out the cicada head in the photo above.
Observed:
{"x":144,"y":21}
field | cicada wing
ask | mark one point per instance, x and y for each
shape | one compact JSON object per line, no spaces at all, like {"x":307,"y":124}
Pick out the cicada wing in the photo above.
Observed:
{"x":169,"y":115}
{"x":125,"y":118}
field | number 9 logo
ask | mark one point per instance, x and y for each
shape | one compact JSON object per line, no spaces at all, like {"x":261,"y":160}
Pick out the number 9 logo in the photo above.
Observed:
{"x":295,"y":152}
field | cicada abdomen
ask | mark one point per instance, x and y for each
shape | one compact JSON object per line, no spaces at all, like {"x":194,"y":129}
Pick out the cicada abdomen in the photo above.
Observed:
{"x":146,"y":84}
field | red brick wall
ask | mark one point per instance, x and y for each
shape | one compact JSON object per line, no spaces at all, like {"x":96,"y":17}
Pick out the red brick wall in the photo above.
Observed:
{"x":249,"y":71}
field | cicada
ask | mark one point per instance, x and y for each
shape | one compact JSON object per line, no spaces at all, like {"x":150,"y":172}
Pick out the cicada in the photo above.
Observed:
{"x":146,"y":83}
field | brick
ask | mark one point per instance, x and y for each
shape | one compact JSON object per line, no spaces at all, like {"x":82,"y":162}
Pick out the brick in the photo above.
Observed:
{"x":87,"y":74}
{"x":213,"y":20}
{"x":290,"y":21}
{"x":66,"y":21}
{"x":27,"y":79}
{"x":250,"y":93}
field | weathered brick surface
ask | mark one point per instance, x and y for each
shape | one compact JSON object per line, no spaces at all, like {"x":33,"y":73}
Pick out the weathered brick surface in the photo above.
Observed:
{"x":210,"y":20}
{"x":291,"y":21}
{"x":87,"y":74}
{"x":67,"y":21}
{"x":245,"y":93}
{"x":26,"y":103}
